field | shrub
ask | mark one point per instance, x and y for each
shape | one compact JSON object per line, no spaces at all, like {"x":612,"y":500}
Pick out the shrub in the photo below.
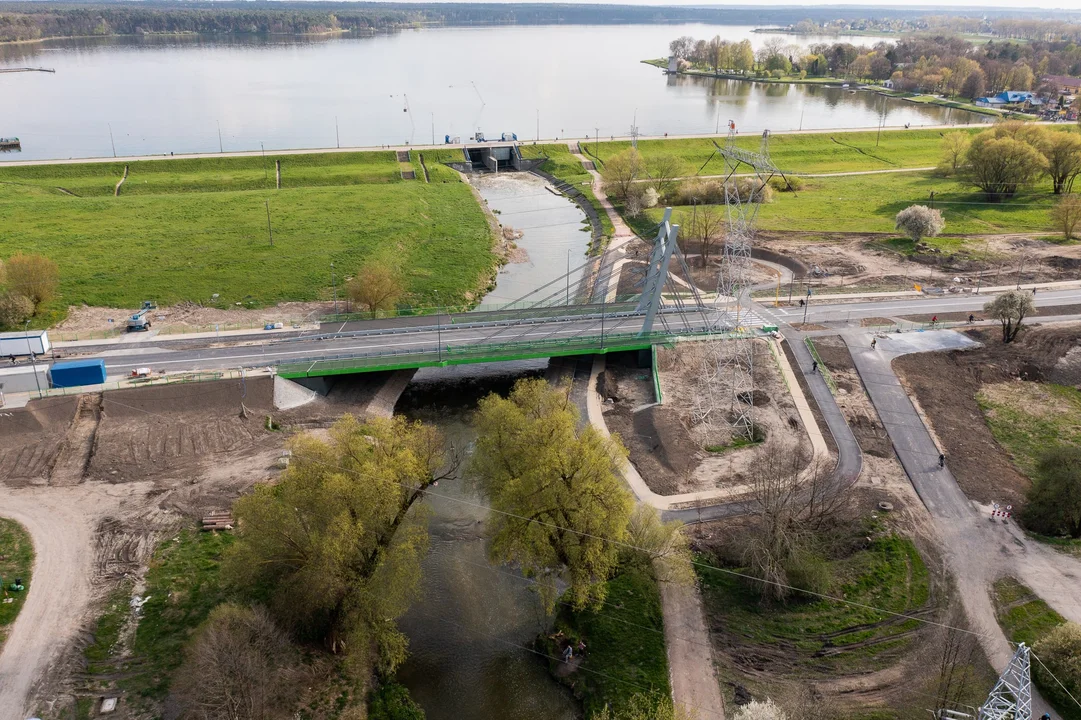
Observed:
{"x":1054,"y":500}
{"x":238,"y":665}
{"x":1060,"y":652}
{"x":920,"y":221}
{"x":794,"y":183}
{"x":393,"y":702}
{"x":760,"y":710}
{"x":1066,"y":214}
{"x":32,"y":276}
{"x":15,"y":309}
{"x":711,"y":192}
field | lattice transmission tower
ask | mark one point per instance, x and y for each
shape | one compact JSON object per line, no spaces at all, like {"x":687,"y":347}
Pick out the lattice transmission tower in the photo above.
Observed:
{"x":1011,"y":698}
{"x":729,"y":365}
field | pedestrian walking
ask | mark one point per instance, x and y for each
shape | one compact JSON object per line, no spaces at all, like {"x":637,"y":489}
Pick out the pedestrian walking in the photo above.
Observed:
{"x":874,"y":341}
{"x":941,"y":460}
{"x":814,"y":366}
{"x":971,"y":319}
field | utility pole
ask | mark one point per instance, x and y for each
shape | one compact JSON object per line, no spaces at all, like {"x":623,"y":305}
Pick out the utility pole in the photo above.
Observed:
{"x":334,"y":282}
{"x":438,"y":330}
{"x":538,"y":124}
{"x":568,"y":277}
{"x":881,"y":122}
{"x":1019,"y":271}
{"x":801,"y":119}
{"x":269,"y":230}
{"x":337,"y":138}
{"x":596,"y":139}
{"x":221,"y":149}
{"x":433,"y":128}
{"x":806,"y":305}
{"x":266,"y":174}
{"x":33,"y":362}
{"x":111,"y":141}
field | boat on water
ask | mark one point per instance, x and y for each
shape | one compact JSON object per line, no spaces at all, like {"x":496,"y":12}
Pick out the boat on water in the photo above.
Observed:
{"x":11,"y":143}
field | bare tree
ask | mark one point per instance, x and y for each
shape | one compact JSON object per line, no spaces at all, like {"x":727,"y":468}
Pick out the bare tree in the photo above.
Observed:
{"x":707,"y":229}
{"x":954,"y":147}
{"x":663,"y":171}
{"x":238,"y":666}
{"x":32,"y":276}
{"x":956,"y":652}
{"x":376,"y":287}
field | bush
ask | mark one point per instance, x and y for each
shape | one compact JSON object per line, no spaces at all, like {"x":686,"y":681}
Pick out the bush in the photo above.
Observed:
{"x":711,"y":192}
{"x":794,"y":184}
{"x":32,"y":276}
{"x":920,"y":221}
{"x":238,"y":665}
{"x":760,"y":710}
{"x":15,"y":309}
{"x":1060,"y":651}
{"x":1066,"y":214}
{"x":1054,"y":500}
{"x":393,"y":702}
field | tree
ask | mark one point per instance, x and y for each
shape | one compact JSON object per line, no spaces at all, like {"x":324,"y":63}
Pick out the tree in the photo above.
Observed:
{"x":32,"y":276}
{"x":1058,"y":652}
{"x":682,"y":47}
{"x":1066,"y":214}
{"x":621,"y":172}
{"x":15,"y":309}
{"x":1053,"y":504}
{"x":743,"y":57}
{"x":663,"y":171}
{"x":377,"y":286}
{"x":707,"y":225}
{"x":1010,"y":308}
{"x":661,"y":543}
{"x":559,"y":506}
{"x":333,"y":544}
{"x":973,"y":85}
{"x":920,"y":221}
{"x":954,"y":147}
{"x":393,"y":702}
{"x":238,"y":665}
{"x":1063,"y":153}
{"x":998,"y":165}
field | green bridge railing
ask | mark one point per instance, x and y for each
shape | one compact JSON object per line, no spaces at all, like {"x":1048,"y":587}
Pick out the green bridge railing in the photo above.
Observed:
{"x":480,"y":353}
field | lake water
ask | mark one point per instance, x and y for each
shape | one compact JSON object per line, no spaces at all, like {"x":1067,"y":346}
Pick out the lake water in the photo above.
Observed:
{"x":174,"y":94}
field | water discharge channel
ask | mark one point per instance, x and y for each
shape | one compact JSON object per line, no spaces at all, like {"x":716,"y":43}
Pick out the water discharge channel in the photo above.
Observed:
{"x":472,"y":626}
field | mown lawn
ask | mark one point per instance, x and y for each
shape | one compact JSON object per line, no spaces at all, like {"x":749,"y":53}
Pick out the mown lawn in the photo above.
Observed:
{"x":823,"y":635}
{"x":187,"y":229}
{"x":16,"y":561}
{"x":869,"y":203}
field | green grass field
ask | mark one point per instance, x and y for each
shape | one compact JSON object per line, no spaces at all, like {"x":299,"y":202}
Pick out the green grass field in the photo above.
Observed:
{"x":186,"y":229}
{"x":869,"y":203}
{"x":1027,"y":418}
{"x":822,"y":635}
{"x":16,"y":561}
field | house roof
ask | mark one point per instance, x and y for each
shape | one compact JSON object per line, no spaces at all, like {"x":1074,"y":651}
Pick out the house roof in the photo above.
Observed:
{"x":1064,"y":80}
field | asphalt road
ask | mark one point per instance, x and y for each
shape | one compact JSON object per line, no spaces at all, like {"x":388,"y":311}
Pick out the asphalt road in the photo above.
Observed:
{"x":822,"y":310}
{"x":244,"y":352}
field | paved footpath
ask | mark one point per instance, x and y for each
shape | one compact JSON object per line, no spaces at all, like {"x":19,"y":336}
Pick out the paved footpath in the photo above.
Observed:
{"x":978,"y":549}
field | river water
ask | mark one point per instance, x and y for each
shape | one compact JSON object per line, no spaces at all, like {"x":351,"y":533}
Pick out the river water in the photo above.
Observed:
{"x":152,"y":95}
{"x":471,"y":630}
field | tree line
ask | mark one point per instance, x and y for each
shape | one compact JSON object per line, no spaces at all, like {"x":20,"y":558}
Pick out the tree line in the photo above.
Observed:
{"x":949,"y":65}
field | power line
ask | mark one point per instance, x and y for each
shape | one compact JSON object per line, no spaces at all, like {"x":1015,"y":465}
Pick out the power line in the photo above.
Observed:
{"x":1078,"y":704}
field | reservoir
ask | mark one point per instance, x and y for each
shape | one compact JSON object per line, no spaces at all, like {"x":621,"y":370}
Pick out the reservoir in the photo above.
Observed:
{"x":185,"y":94}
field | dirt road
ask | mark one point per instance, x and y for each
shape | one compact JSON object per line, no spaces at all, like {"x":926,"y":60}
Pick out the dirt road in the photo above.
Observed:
{"x":61,"y":524}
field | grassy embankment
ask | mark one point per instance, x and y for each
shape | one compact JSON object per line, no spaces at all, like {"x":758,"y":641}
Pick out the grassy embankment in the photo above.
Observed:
{"x":809,"y":637}
{"x":625,"y":653}
{"x":565,"y":166}
{"x":1026,"y":618}
{"x":1027,"y":418}
{"x":186,"y":229}
{"x":16,"y":561}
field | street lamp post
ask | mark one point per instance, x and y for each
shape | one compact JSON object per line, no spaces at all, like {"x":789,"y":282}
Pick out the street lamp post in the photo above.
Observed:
{"x":334,"y":282}
{"x":438,"y":330}
{"x":37,"y":381}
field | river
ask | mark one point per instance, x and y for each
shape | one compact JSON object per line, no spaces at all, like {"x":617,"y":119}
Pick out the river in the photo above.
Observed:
{"x":154,"y":95}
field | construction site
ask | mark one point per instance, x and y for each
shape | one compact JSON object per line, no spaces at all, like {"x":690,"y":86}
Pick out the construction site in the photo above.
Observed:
{"x":784,"y":430}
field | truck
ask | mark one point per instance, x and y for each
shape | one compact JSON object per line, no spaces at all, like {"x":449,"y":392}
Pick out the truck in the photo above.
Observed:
{"x":77,"y":372}
{"x":140,"y":321}
{"x":22,"y":344}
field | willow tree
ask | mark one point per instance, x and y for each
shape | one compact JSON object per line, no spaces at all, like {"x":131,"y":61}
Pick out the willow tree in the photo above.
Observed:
{"x":333,"y":547}
{"x":559,"y":508}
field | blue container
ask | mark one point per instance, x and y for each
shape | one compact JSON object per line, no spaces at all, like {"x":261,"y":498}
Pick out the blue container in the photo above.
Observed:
{"x":77,"y":372}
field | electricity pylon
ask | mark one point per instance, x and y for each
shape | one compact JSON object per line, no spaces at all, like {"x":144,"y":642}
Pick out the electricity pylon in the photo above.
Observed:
{"x":1011,"y":698}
